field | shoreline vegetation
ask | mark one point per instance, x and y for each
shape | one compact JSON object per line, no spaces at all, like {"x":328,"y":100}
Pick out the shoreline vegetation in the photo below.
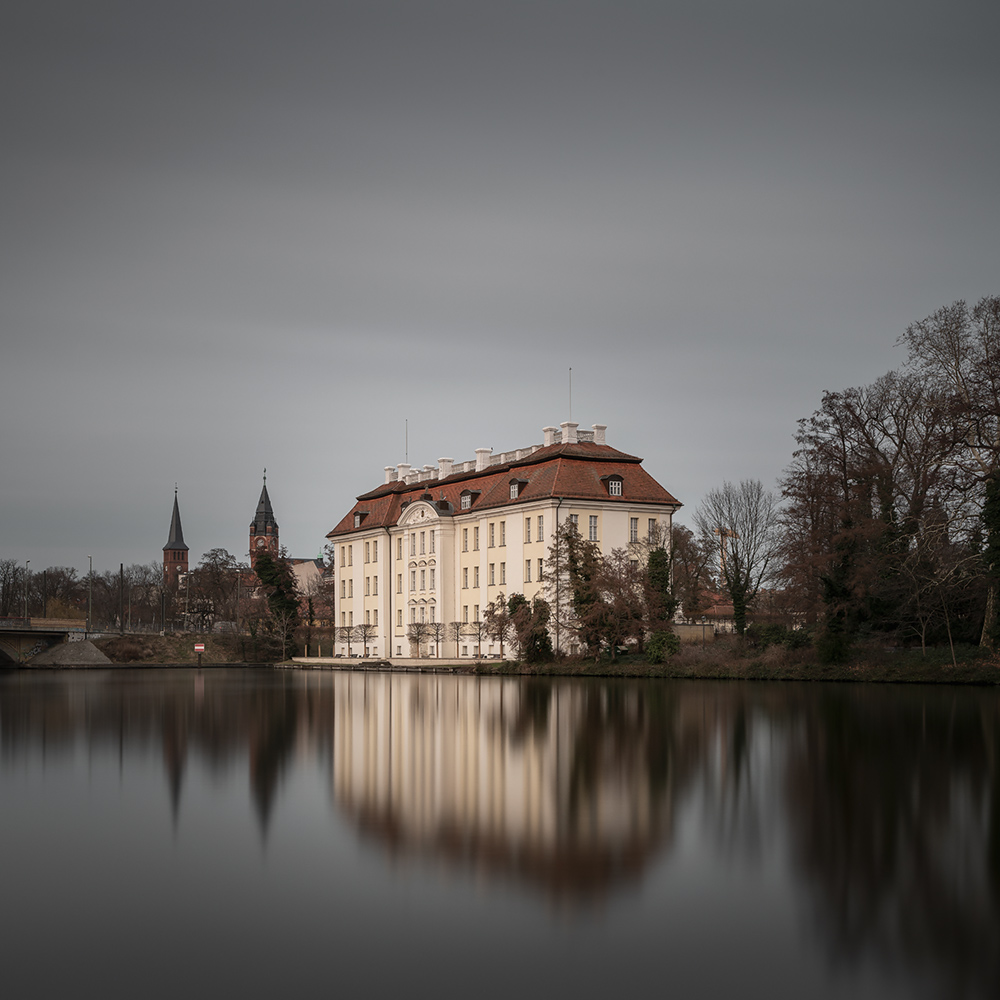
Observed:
{"x":726,"y":658}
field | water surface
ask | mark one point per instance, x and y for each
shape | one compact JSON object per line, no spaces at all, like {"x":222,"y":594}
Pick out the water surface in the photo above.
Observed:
{"x":261,"y":833}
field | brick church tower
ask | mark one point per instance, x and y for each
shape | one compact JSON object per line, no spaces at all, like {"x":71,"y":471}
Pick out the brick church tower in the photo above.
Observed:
{"x":175,"y":552}
{"x":263,"y":528}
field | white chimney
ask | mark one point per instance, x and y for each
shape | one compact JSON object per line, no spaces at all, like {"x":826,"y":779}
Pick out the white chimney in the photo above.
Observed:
{"x":550,"y":436}
{"x":483,"y":458}
{"x":412,"y":477}
{"x":568,"y":432}
{"x":444,"y":467}
{"x":600,"y":433}
{"x":390,"y":473}
{"x":402,"y":471}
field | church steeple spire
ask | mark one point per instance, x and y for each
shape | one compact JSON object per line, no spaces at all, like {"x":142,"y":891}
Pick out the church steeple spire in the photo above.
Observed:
{"x":263,"y":528}
{"x":175,"y":552}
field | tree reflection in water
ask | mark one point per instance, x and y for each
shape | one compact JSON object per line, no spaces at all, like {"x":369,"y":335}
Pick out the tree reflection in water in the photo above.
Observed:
{"x":573,"y":788}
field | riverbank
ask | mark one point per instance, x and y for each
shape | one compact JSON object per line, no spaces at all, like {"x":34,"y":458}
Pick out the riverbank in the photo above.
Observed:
{"x":721,"y":660}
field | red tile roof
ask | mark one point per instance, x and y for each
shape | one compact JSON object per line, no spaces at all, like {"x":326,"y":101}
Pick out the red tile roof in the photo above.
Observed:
{"x":570,"y":471}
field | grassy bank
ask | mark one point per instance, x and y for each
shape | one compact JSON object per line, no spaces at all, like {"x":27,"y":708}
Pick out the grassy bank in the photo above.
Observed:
{"x":724,"y":659}
{"x":731,"y":660}
{"x":174,"y":649}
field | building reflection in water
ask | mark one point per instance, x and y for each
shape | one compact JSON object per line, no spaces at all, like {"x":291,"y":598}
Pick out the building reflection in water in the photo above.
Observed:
{"x":888,"y":798}
{"x":570,"y":786}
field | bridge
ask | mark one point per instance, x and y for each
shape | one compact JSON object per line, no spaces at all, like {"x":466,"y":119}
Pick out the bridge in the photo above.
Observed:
{"x":22,"y":638}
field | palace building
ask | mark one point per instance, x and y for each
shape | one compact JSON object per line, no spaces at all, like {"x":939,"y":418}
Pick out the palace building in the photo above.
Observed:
{"x":438,"y":544}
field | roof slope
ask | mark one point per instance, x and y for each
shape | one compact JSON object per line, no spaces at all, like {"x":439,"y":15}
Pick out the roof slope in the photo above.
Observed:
{"x":176,"y":538}
{"x":571,"y":471}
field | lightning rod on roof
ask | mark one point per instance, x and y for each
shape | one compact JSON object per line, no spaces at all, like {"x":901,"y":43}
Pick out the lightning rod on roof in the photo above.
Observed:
{"x":570,"y":392}
{"x":406,"y":442}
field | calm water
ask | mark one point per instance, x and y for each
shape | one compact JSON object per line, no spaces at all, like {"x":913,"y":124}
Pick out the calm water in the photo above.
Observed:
{"x":262,"y":834}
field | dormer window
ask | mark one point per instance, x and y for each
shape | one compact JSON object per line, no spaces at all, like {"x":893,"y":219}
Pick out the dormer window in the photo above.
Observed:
{"x":614,"y":485}
{"x":468,"y":498}
{"x":357,"y":520}
{"x":516,"y":485}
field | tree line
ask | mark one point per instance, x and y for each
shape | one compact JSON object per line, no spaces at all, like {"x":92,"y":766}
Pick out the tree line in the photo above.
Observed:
{"x":888,"y":524}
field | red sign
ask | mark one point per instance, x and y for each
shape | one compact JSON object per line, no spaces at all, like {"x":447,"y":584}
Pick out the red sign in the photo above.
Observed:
{"x":199,"y":647}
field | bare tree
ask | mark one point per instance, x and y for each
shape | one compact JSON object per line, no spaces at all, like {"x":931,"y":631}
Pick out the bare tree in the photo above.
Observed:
{"x":456,"y":632}
{"x":417,"y":633}
{"x":477,"y":631}
{"x":499,"y":624}
{"x":363,"y":635}
{"x":345,"y":633}
{"x":436,"y":631}
{"x":742,"y":521}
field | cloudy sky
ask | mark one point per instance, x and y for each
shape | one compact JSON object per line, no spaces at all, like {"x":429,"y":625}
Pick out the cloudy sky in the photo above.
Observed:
{"x":246,"y":234}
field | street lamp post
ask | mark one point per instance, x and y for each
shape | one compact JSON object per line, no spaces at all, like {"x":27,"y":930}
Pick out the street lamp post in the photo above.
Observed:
{"x":90,"y":595}
{"x":27,"y":563}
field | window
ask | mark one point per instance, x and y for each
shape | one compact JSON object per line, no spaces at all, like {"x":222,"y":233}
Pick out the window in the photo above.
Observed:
{"x":375,"y":585}
{"x":343,"y":588}
{"x":465,"y":651}
{"x":465,"y":578}
{"x":368,"y":618}
{"x":465,"y":539}
{"x":503,"y":573}
{"x":475,"y":611}
{"x":475,"y":576}
{"x":633,"y":529}
{"x":615,"y":486}
{"x":527,"y":571}
{"x":513,"y":491}
{"x":423,"y":614}
{"x":399,"y":618}
{"x":368,"y":552}
{"x":357,"y":520}
{"x":375,"y":618}
{"x":350,"y":618}
{"x":593,"y":527}
{"x":423,"y":543}
{"x":374,"y":551}
{"x":432,"y":543}
{"x":399,"y":583}
{"x":492,"y":574}
{"x":574,"y":519}
{"x":368,"y":586}
{"x":539,"y":570}
{"x":350,"y":588}
{"x":350,"y":555}
{"x":475,"y":539}
{"x":413,"y":614}
{"x":413,"y":543}
{"x":423,"y":579}
{"x":634,"y":563}
{"x":541,"y":528}
{"x":465,"y":612}
{"x":652,"y":532}
{"x":432,"y":579}
{"x":493,"y":534}
{"x":432,"y":614}
{"x":399,"y":547}
{"x":413,"y":579}
{"x":503,"y":532}
{"x":343,"y":619}
{"x":343,"y":555}
{"x":466,"y":501}
{"x":527,"y":529}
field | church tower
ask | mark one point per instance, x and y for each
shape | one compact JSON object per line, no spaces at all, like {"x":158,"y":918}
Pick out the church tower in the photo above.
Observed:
{"x":175,"y":552}
{"x":263,"y":528}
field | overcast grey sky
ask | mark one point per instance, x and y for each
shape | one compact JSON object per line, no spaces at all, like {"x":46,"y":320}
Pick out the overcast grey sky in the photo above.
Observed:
{"x":245,"y":234}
